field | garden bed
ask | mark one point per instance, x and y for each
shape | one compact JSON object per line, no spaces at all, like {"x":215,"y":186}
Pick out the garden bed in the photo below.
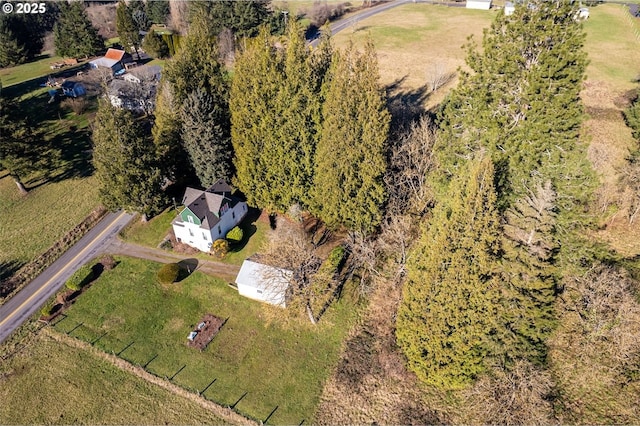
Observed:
{"x":205,"y":331}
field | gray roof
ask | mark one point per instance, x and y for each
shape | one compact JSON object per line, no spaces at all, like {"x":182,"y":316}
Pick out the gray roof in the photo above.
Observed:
{"x":219,"y":187}
{"x":264,"y":277}
{"x":206,"y":204}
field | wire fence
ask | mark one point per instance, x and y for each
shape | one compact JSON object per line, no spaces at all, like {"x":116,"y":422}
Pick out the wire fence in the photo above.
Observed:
{"x":111,"y":345}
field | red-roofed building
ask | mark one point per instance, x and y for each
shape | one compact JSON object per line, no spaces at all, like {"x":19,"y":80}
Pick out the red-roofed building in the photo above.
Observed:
{"x":113,"y":59}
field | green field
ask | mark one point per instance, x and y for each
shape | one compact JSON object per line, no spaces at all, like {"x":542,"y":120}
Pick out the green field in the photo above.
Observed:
{"x":61,"y":190}
{"x":276,"y":364}
{"x":52,"y":383}
{"x":38,"y":68}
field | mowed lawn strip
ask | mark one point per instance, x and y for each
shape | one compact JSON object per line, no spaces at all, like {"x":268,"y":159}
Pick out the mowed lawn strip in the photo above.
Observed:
{"x":276,"y":363}
{"x":52,"y":383}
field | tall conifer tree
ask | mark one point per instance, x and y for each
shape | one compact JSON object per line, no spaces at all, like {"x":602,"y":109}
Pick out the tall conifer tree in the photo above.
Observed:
{"x":126,"y":163}
{"x":448,"y":317}
{"x":74,"y":35}
{"x":350,"y":158}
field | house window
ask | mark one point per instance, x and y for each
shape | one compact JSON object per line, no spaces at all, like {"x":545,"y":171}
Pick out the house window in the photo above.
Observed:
{"x":233,"y":215}
{"x":259,"y":291}
{"x":190,"y":218}
{"x":191,"y":231}
{"x":204,"y":235}
{"x":219,"y":230}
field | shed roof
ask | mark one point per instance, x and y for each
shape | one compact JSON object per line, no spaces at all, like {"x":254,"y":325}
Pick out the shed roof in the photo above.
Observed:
{"x":115,"y":54}
{"x":263,"y":277}
{"x":104,"y":62}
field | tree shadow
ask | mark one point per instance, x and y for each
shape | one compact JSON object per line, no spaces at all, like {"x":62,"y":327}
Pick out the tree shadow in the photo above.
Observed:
{"x":248,"y":229}
{"x":187,"y":267}
{"x":8,"y":268}
{"x":406,"y":106}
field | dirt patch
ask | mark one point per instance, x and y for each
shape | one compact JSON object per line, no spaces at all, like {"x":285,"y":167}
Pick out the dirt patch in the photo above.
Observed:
{"x":205,"y":331}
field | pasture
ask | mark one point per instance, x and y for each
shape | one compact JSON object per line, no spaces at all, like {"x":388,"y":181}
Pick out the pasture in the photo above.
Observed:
{"x":272,"y":362}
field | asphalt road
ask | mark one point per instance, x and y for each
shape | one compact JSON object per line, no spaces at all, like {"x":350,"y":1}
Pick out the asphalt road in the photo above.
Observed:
{"x":345,"y":23}
{"x":24,"y":304}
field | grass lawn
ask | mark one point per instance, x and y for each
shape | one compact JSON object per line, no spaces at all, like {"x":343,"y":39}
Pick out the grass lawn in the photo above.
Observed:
{"x":52,"y":383}
{"x":61,"y":191}
{"x":42,"y":217}
{"x":277,"y":364}
{"x":412,"y":39}
{"x":30,"y":70}
{"x":152,"y":233}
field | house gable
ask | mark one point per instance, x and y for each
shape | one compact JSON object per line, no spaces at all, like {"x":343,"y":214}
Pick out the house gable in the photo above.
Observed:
{"x":188,"y":216}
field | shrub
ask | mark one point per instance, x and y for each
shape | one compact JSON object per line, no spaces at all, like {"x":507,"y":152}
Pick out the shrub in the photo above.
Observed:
{"x":235,"y":235}
{"x":220,"y":248}
{"x":48,"y":309}
{"x":169,"y":273}
{"x":335,"y":258}
{"x":80,"y":278}
{"x":108,"y":262}
{"x":77,"y":105}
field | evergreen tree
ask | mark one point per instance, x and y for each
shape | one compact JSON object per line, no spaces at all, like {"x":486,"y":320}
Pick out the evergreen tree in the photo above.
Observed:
{"x":157,"y":11}
{"x":18,"y":153}
{"x":166,"y":133}
{"x":447,"y":320}
{"x":74,"y":36}
{"x":22,"y":35}
{"x":155,"y":46}
{"x":350,"y":157}
{"x":205,"y":136}
{"x":127,"y":28}
{"x":241,"y":17}
{"x":276,"y":128}
{"x":196,"y":65}
{"x":11,"y":51}
{"x":529,"y":272}
{"x":126,"y":164}
{"x":521,"y":104}
{"x":139,"y":14}
{"x":256,"y":84}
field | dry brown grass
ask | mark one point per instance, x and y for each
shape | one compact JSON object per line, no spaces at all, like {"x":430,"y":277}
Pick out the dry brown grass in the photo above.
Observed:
{"x":413,"y":38}
{"x":595,"y":352}
{"x":55,"y":380}
{"x":608,"y":90}
{"x":371,"y":383}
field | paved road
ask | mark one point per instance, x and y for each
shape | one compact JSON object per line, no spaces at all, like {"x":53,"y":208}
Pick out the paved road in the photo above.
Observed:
{"x":345,"y":23}
{"x":24,"y":304}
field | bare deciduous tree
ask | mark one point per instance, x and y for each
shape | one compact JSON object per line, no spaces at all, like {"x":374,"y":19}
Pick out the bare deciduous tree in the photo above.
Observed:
{"x":438,"y":75}
{"x":179,"y":14}
{"x":226,"y":46}
{"x":103,"y":17}
{"x":290,"y":249}
{"x":364,"y":255}
{"x":411,"y":161}
{"x":514,"y":397}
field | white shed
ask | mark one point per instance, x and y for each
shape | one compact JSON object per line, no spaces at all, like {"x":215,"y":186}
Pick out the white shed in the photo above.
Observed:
{"x":263,"y":282}
{"x":479,"y":4}
{"x":509,"y":8}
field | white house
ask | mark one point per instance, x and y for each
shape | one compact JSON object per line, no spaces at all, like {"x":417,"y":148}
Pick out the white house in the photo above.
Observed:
{"x":208,"y":215}
{"x":263,"y":282}
{"x":479,"y":4}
